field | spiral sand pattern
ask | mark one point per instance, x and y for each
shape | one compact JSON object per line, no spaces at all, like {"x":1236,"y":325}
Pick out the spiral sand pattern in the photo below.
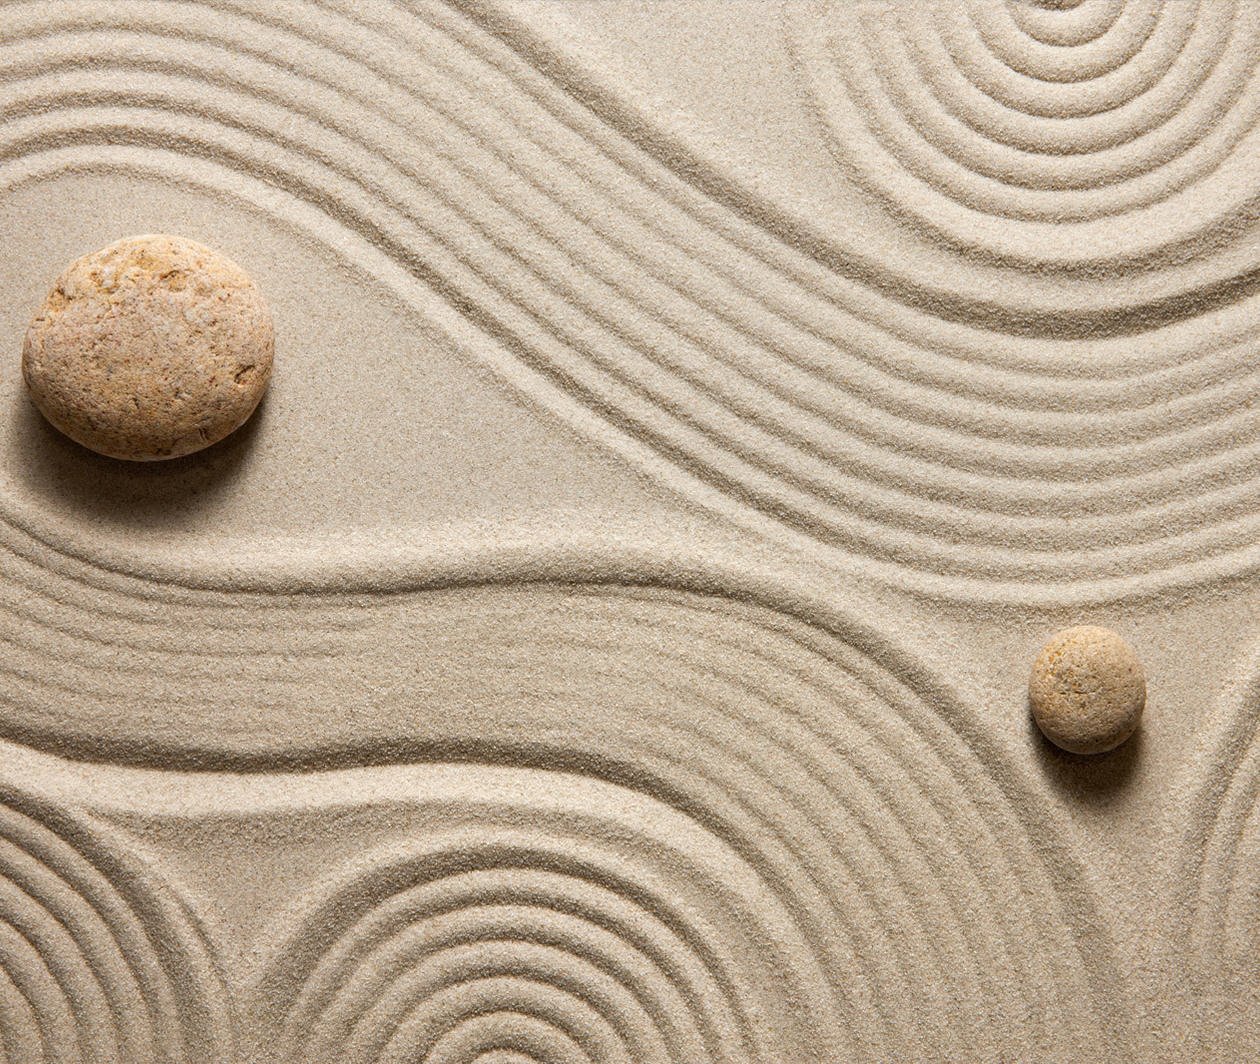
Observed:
{"x":98,"y":961}
{"x":1108,"y":449}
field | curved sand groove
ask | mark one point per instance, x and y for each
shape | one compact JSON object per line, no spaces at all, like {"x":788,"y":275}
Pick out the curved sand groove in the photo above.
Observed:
{"x":1066,"y":25}
{"x":875,"y":806}
{"x":1077,"y":298}
{"x":1218,"y":864}
{"x":630,"y":953}
{"x":871,"y":428}
{"x":98,"y":961}
{"x":960,"y":115}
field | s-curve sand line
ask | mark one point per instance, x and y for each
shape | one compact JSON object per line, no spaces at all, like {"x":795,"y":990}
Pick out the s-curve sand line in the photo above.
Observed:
{"x":613,"y":644}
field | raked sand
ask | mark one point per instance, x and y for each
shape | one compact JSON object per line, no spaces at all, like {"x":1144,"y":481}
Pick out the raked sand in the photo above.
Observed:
{"x":609,"y":640}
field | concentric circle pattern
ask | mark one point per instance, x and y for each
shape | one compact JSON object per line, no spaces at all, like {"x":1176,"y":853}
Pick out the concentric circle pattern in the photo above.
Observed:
{"x":957,"y":443}
{"x":1104,"y":133}
{"x":547,"y":943}
{"x":98,"y":961}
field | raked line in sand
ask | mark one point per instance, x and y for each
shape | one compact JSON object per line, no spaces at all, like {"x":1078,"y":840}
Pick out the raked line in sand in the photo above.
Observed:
{"x":858,"y":415}
{"x":646,"y":802}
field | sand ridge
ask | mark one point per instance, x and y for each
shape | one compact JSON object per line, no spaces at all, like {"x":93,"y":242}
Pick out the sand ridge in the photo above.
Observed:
{"x":697,"y":732}
{"x":844,"y":420}
{"x":873,"y":872}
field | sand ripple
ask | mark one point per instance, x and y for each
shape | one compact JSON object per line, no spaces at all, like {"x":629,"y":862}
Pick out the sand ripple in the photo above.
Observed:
{"x":966,"y":447}
{"x":926,"y":876}
{"x":98,"y":960}
{"x":1129,"y":127}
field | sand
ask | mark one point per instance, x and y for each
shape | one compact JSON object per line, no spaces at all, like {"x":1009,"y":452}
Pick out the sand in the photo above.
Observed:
{"x":609,"y":639}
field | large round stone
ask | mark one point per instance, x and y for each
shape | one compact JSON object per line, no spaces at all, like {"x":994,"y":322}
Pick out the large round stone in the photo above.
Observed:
{"x":153,"y":347}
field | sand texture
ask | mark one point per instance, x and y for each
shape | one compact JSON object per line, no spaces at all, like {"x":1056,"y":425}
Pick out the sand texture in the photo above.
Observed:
{"x":609,"y":640}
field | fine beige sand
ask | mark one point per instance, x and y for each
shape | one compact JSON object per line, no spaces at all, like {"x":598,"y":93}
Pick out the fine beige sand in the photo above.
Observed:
{"x":609,"y":640}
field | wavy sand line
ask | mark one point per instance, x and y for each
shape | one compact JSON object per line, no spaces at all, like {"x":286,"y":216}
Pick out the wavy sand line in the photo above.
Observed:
{"x":886,"y":827}
{"x":1158,"y":517}
{"x":768,"y":447}
{"x":1225,"y":512}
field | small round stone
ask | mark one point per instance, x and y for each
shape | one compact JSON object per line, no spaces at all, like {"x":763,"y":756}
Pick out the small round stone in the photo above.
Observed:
{"x":153,"y":347}
{"x":1087,"y":690}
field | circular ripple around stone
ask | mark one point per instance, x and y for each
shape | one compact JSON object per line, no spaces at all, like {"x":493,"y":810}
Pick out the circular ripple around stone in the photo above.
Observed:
{"x":99,"y":962}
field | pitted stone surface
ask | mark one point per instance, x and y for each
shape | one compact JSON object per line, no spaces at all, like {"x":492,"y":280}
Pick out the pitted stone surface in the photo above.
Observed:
{"x":1087,"y":690}
{"x":153,"y":347}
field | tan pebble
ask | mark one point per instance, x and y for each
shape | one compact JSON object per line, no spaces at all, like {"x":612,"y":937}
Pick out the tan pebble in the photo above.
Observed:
{"x":1087,"y":690}
{"x":153,"y":347}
